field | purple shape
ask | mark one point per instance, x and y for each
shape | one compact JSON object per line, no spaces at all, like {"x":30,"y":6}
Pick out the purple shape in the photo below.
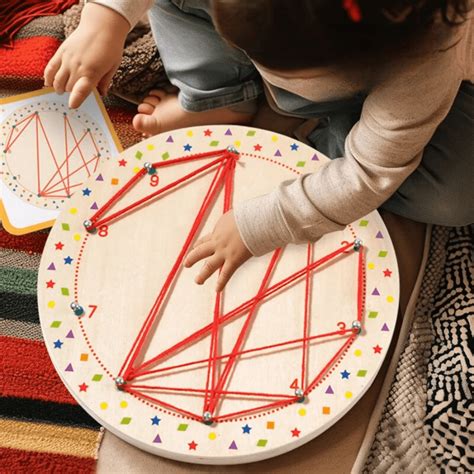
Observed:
{"x":379,"y":235}
{"x":315,"y":157}
{"x":99,"y":178}
{"x":277,"y":153}
{"x":157,"y":439}
{"x":228,"y":132}
{"x":70,"y":335}
{"x":69,"y":368}
{"x":51,"y":266}
{"x":169,"y":140}
{"x":94,"y":206}
{"x":375,"y":292}
{"x":385,"y":327}
{"x":233,"y":445}
{"x":329,"y":390}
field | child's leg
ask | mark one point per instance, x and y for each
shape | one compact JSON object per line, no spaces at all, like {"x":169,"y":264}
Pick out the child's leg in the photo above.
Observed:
{"x":217,"y":83}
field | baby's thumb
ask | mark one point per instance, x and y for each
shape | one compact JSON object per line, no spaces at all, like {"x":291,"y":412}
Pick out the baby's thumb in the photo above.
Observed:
{"x":82,"y":88}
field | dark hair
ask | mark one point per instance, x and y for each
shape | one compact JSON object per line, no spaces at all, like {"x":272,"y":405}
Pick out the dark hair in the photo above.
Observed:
{"x":294,"y":34}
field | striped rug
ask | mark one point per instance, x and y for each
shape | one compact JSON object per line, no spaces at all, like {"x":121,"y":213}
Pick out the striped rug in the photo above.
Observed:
{"x":42,"y":429}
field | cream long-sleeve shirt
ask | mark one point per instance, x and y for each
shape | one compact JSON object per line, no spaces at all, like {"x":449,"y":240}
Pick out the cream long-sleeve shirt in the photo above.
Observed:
{"x":406,"y":101}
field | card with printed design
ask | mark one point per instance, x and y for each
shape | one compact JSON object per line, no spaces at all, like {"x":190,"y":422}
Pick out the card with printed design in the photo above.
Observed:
{"x":47,"y":151}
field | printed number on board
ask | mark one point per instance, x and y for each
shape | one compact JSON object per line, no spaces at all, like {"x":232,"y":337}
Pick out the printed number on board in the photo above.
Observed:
{"x":154,"y":180}
{"x":103,"y":231}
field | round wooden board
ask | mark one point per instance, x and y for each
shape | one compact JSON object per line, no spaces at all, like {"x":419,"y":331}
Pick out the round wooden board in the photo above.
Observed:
{"x":115,"y":275}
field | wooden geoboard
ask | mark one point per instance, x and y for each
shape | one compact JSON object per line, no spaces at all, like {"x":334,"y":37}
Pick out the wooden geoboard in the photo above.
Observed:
{"x":47,"y":151}
{"x":290,"y":346}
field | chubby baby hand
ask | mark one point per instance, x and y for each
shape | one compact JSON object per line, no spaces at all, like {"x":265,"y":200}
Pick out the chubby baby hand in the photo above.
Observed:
{"x":90,"y":56}
{"x":222,"y":248}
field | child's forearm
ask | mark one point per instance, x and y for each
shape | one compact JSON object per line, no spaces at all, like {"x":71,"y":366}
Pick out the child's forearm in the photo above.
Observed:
{"x":105,"y":20}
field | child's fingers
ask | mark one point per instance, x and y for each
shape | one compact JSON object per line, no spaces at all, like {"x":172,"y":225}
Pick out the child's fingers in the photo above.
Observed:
{"x":82,"y":88}
{"x":60,"y":79}
{"x":104,"y":83}
{"x":227,"y":271}
{"x":210,"y":266}
{"x":51,"y":69}
{"x":198,"y":253}
{"x":201,"y":240}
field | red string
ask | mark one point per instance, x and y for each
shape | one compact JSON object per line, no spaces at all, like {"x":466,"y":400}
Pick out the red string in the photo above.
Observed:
{"x":190,"y":414}
{"x":52,"y":153}
{"x":30,"y":119}
{"x":246,"y":351}
{"x":309,"y":258}
{"x":66,"y":149}
{"x":159,"y":388}
{"x":243,"y":307}
{"x":213,"y":349}
{"x":210,"y":196}
{"x":235,"y":414}
{"x":37,"y":155}
{"x":116,"y":197}
{"x":214,"y":389}
{"x":360,"y":284}
{"x":333,"y":359}
{"x":216,"y":177}
{"x":243,"y":333}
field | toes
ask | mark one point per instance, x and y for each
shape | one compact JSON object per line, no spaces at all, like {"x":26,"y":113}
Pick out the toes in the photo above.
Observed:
{"x":151,"y":100}
{"x":146,"y":124}
{"x":145,"y":108}
{"x":160,"y":93}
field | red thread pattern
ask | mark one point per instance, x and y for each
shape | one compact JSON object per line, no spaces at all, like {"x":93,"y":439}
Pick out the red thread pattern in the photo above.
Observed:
{"x":134,"y":368}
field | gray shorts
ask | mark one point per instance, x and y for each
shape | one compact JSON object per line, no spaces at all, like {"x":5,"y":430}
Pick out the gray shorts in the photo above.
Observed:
{"x":210,"y":73}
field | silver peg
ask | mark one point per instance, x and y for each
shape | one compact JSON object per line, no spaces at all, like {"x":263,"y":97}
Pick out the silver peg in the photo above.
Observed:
{"x":232,"y":149}
{"x":357,"y":244}
{"x":77,"y":309}
{"x":207,"y":418}
{"x":88,"y":225}
{"x":149,"y":168}
{"x":357,"y":326}
{"x":300,"y":394}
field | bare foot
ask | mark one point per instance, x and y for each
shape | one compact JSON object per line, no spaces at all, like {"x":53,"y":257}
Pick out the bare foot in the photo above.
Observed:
{"x":160,"y":112}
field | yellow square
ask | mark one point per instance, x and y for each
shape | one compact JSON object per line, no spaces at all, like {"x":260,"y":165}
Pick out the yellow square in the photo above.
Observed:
{"x":84,"y":357}
{"x":326,"y":410}
{"x":270,"y":425}
{"x":114,"y":181}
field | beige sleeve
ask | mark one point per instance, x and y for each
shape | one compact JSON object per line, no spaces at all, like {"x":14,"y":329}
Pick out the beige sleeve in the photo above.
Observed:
{"x":398,"y":119}
{"x":132,"y":10}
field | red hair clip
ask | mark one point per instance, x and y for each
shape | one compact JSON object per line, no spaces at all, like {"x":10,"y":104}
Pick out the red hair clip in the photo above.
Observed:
{"x":353,"y":10}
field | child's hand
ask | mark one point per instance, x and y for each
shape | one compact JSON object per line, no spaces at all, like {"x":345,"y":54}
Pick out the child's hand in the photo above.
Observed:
{"x":225,"y":249}
{"x":90,"y":56}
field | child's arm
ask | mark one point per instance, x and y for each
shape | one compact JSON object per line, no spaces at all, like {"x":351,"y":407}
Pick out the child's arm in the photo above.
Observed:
{"x":92,"y":54}
{"x":398,"y":120}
